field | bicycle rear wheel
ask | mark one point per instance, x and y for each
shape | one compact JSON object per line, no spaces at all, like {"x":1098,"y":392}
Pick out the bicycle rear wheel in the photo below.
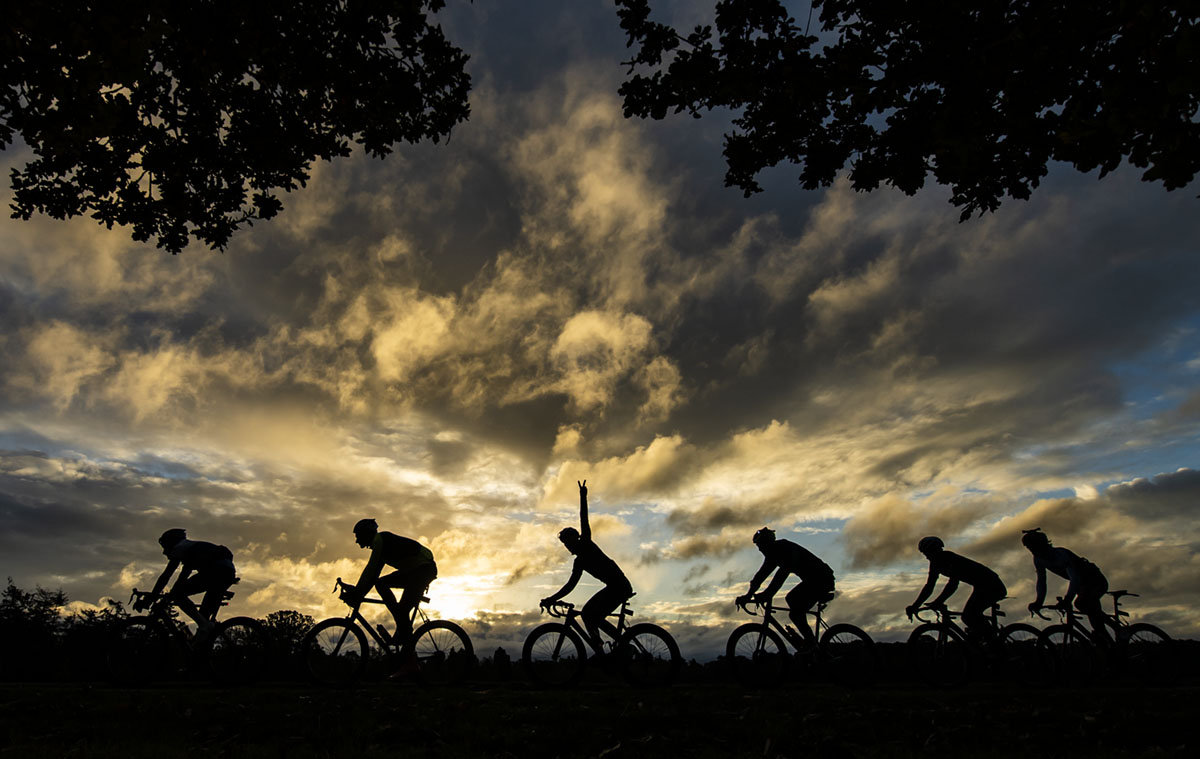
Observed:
{"x":757,"y":655}
{"x":849,"y":655}
{"x":442,"y":652}
{"x":938,"y":655}
{"x":238,"y":652}
{"x":335,"y":652}
{"x":1147,"y":654}
{"x":648,"y":655}
{"x":139,"y":651}
{"x":553,"y":656}
{"x":1071,"y":655}
{"x":1021,"y":660}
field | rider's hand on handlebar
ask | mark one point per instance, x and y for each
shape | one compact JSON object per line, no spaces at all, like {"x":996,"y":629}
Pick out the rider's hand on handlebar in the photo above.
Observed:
{"x":910,"y":610}
{"x":742,"y":600}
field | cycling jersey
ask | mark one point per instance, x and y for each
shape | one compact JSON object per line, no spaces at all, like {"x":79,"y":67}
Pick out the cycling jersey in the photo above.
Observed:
{"x":405,"y":554}
{"x":199,"y":555}
{"x":399,"y":552}
{"x":1081,"y":573}
{"x":791,"y":558}
{"x":589,"y":558}
{"x":962,"y":569}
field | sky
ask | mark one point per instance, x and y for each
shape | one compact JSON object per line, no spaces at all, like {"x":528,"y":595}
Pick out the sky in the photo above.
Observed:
{"x":449,"y":339}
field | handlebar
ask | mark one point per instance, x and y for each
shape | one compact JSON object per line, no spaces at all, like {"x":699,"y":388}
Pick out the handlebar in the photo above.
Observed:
{"x":558,"y":608}
{"x":759,"y":608}
{"x":938,"y":609}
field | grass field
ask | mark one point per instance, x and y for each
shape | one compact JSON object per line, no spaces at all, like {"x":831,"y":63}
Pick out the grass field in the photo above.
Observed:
{"x":511,"y":720}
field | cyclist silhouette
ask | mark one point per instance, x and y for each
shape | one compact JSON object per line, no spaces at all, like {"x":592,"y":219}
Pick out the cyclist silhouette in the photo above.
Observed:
{"x":213,"y":570}
{"x":986,"y":586}
{"x":415,"y":569}
{"x":1086,"y":584}
{"x":589,"y":558}
{"x":816,"y":579}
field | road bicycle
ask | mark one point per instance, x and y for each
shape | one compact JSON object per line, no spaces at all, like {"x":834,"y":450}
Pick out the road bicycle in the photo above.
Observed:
{"x":554,"y":654}
{"x":335,"y":651}
{"x":759,"y":655}
{"x":1139,"y":651}
{"x":940,"y":651}
{"x":157,"y":645}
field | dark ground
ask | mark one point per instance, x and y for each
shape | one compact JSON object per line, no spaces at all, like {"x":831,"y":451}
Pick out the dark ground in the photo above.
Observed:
{"x":511,"y":720}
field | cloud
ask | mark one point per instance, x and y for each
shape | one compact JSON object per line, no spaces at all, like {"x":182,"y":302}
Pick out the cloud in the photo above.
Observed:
{"x":887,"y":530}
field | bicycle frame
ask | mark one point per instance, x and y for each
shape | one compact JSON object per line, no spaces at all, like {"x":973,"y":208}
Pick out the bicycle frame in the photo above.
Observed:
{"x":162,"y":603}
{"x":357,"y":617}
{"x":768,"y":617}
{"x":570,"y":617}
{"x":1070,"y":616}
{"x":947,"y":617}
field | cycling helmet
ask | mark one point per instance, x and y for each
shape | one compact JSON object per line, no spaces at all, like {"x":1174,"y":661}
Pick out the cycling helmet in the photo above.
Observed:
{"x":1034,"y":538}
{"x":568,"y":535}
{"x":931,"y":543}
{"x":365,"y":525}
{"x":765,"y":536}
{"x":171,"y":537}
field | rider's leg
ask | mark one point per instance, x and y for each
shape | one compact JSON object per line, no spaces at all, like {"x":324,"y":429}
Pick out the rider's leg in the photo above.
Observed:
{"x":190,"y":586}
{"x":384,"y":586}
{"x":216,"y":582}
{"x":414,"y":583}
{"x":799,"y":600}
{"x":982,"y":598}
{"x":1090,"y":605}
{"x":1087,"y":600}
{"x":595,"y":613}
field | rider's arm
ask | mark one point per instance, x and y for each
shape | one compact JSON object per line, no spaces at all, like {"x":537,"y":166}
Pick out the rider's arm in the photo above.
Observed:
{"x":172,"y":565}
{"x":572,"y":581}
{"x":776,"y":584}
{"x":925,"y":591}
{"x":947,"y":591}
{"x":585,"y":529}
{"x":1040,"y":590}
{"x":1072,"y":588}
{"x":760,"y":575}
{"x":371,"y":571}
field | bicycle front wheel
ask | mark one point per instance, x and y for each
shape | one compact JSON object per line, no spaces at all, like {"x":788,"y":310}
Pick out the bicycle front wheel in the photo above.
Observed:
{"x":139,"y":651}
{"x":938,"y":655}
{"x":442,"y":652}
{"x":1071,"y":655}
{"x":334,"y":652}
{"x":850,"y":655}
{"x":238,"y":652}
{"x":649,"y":656}
{"x":757,"y":655}
{"x":553,"y":656}
{"x":1147,"y":654}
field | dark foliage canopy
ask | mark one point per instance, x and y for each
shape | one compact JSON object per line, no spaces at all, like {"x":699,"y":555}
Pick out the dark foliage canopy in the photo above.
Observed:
{"x":981,"y":94}
{"x":186,"y":119}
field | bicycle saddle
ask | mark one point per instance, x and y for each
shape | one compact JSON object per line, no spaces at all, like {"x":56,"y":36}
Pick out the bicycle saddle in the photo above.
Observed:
{"x":1119,"y":593}
{"x":827,"y":597}
{"x":227,"y":595}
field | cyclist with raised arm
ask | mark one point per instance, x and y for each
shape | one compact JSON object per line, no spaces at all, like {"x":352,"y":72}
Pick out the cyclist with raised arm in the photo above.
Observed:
{"x":1086,"y":584}
{"x":785,"y":557}
{"x":987,"y":589}
{"x":589,"y":558}
{"x":414,"y":570}
{"x":207,"y":568}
